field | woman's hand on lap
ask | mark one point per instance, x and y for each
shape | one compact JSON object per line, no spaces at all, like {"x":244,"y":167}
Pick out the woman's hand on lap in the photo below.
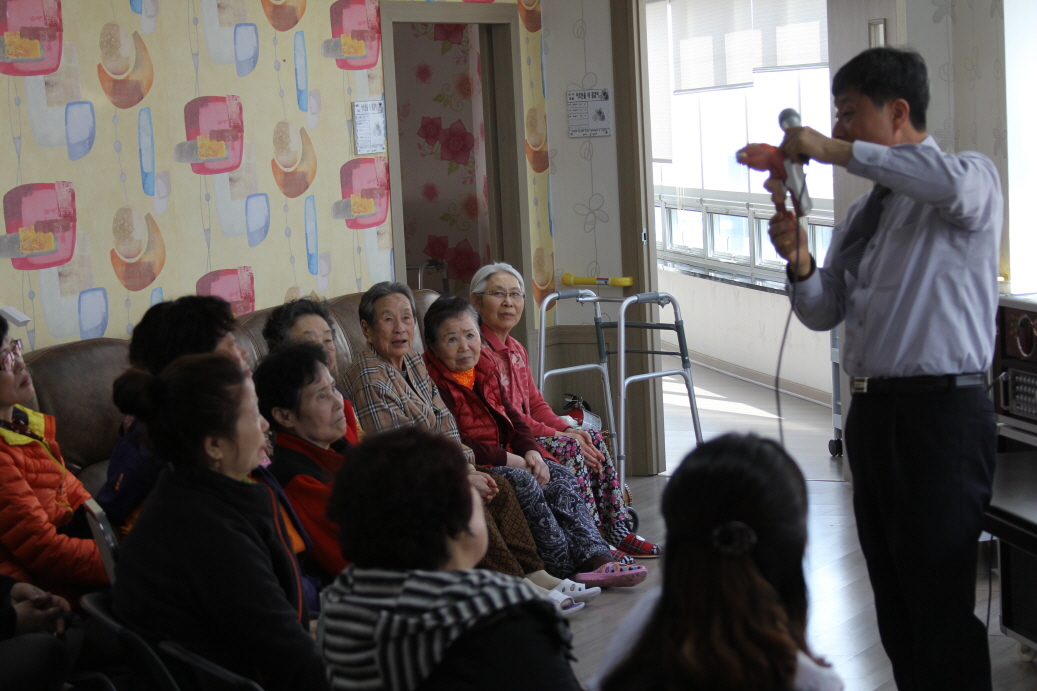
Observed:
{"x":538,"y":468}
{"x":591,"y":455}
{"x":483,"y":484}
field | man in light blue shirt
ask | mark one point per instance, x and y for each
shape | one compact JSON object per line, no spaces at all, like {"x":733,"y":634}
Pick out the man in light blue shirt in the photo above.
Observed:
{"x":912,"y":270}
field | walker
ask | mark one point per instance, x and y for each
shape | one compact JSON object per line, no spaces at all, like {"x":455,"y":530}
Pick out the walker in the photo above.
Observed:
{"x":584,"y":296}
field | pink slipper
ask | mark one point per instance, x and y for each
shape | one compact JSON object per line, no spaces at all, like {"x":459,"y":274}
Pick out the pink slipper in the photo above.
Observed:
{"x":613,"y":575}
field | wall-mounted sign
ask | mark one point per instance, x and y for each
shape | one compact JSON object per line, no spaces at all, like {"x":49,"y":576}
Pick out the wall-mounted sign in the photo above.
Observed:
{"x":590,"y":113}
{"x":369,"y":126}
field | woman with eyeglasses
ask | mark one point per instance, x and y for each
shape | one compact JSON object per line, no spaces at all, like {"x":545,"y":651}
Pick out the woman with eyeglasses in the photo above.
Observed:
{"x":44,"y":536}
{"x":498,"y":294}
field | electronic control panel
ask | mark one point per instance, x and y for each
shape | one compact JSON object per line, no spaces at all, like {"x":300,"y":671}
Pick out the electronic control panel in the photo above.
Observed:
{"x":1015,"y":365}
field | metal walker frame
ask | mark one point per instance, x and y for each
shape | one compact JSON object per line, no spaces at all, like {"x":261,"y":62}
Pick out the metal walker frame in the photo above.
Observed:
{"x":584,"y":296}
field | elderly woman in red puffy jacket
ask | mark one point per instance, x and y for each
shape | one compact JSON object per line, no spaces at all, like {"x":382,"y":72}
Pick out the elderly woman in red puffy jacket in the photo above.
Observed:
{"x":470,"y":386}
{"x":40,"y":543}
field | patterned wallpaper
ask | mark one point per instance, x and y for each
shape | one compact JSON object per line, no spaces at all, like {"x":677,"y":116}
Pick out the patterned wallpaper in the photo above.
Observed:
{"x":155,"y":148}
{"x":442,"y":149}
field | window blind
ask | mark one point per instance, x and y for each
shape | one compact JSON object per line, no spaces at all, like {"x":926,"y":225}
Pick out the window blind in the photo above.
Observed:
{"x":660,"y":83}
{"x":717,"y":43}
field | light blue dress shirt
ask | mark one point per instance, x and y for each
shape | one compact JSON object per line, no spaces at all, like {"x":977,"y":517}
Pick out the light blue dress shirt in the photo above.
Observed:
{"x":925,"y":296}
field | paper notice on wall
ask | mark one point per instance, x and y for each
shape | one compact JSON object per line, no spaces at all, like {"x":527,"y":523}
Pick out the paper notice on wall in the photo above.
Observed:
{"x":590,"y":113}
{"x":369,"y":126}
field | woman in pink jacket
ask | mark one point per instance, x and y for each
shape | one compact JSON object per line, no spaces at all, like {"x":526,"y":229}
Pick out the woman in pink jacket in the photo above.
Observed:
{"x":498,"y":294}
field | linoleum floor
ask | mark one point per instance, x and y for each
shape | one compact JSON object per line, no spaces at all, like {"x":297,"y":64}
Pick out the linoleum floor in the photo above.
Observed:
{"x":842,"y":626}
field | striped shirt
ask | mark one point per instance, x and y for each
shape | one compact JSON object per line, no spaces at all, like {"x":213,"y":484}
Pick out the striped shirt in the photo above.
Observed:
{"x":387,"y":630}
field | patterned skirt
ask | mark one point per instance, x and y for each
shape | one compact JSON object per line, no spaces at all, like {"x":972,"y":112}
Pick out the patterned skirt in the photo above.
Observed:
{"x":511,"y":549}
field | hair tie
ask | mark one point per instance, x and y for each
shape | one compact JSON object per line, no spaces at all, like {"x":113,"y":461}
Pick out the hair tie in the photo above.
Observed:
{"x":733,"y":538}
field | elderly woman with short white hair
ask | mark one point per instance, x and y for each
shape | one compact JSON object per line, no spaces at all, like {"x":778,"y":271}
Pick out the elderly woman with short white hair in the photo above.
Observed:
{"x":498,"y":294}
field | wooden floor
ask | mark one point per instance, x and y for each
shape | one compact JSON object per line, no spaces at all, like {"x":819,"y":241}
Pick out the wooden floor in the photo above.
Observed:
{"x":842,"y":624}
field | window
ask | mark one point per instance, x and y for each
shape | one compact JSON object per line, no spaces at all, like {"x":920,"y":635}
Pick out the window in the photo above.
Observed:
{"x":732,"y":66}
{"x":729,"y":236}
{"x":687,"y":231}
{"x":822,"y":238}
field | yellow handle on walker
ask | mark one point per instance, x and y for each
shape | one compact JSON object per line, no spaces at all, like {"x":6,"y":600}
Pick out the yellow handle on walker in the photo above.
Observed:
{"x":618,"y":281}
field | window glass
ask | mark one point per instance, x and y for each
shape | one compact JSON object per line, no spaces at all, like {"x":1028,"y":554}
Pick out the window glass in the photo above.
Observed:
{"x":686,"y":168}
{"x":767,"y":253}
{"x":822,"y":239}
{"x":730,"y":235}
{"x":687,"y":229}
{"x":660,"y":232}
{"x":723,"y":134}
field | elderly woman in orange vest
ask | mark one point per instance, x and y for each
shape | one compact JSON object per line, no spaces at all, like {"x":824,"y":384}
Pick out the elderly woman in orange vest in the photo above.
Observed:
{"x":471,"y":387}
{"x":44,"y":537}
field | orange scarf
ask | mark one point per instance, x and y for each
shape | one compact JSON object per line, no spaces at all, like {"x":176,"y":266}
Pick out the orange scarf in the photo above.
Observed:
{"x":465,"y":379}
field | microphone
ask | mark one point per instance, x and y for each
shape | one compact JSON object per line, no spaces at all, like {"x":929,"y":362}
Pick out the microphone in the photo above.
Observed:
{"x":789,"y":118}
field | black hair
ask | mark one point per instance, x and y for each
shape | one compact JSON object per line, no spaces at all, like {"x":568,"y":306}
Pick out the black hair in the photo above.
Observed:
{"x":732,"y":614}
{"x":282,"y":375}
{"x":195,"y":397}
{"x":446,"y":307}
{"x":3,"y":327}
{"x":191,"y":324}
{"x":430,"y":500}
{"x":278,"y":328}
{"x":379,"y":291}
{"x":886,"y":74}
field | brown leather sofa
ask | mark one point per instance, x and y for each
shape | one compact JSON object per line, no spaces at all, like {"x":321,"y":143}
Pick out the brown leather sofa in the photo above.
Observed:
{"x":73,"y":381}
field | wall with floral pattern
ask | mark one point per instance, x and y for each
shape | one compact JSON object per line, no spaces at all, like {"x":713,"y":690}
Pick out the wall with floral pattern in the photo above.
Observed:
{"x":442,"y":149}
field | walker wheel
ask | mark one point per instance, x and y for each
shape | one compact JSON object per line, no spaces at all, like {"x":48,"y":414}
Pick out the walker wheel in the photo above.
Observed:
{"x":835,"y":447}
{"x":1025,"y":652}
{"x":634,"y":521}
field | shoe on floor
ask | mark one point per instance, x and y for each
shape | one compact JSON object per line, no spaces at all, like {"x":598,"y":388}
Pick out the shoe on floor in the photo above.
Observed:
{"x":640,"y":548}
{"x":613,"y":575}
{"x":577,"y":591}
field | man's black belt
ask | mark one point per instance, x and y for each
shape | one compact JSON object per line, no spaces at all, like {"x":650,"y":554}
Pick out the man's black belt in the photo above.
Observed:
{"x":920,"y":384}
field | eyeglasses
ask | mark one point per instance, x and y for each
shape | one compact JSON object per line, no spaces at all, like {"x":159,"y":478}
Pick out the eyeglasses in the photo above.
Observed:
{"x":500,"y":295}
{"x":14,"y":351}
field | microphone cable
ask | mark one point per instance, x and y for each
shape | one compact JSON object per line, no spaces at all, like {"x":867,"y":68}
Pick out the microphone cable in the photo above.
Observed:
{"x":786,"y":119}
{"x":781,"y":349}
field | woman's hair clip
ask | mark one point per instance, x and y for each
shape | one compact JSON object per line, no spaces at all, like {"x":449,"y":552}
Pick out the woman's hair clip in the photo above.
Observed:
{"x":733,"y":538}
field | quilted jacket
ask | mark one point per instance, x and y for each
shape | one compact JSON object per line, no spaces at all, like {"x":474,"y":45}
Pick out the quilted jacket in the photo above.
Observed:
{"x":38,"y":495}
{"x":488,"y":424}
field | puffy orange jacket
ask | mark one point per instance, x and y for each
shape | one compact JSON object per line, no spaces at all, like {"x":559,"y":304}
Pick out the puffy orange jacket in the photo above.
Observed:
{"x":38,"y":495}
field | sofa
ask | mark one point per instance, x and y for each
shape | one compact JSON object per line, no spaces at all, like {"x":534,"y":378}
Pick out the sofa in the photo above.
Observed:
{"x":73,"y":381}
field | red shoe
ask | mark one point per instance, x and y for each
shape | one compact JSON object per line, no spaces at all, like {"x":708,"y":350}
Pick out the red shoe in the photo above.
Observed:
{"x":637,"y":546}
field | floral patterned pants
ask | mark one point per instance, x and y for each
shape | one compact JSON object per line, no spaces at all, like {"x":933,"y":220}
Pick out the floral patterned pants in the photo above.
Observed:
{"x":600,"y":488}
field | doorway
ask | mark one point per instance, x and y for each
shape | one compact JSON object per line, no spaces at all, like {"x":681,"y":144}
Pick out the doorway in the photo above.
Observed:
{"x":452,"y":76}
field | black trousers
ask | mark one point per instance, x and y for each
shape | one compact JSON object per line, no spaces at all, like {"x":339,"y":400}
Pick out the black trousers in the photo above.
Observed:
{"x":33,"y":662}
{"x":923,"y":466}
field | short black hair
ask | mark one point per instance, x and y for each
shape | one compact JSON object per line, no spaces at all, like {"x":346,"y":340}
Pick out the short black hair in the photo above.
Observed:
{"x":886,"y":74}
{"x":278,"y":328}
{"x":191,"y":324}
{"x":379,"y":291}
{"x":446,"y":307}
{"x":282,"y":375}
{"x":430,"y":500}
{"x":196,"y":396}
{"x":3,"y":327}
